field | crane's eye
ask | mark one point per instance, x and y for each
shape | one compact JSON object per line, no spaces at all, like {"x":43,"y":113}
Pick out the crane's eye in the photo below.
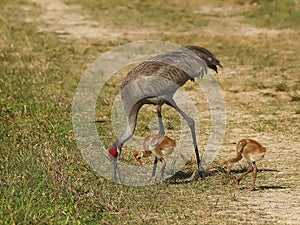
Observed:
{"x":138,"y":158}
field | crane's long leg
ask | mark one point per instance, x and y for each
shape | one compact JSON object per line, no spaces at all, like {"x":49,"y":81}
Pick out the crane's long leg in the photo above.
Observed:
{"x":254,"y":177}
{"x":191,"y":124}
{"x":249,"y":170}
{"x":162,"y":170}
{"x":160,"y":121}
{"x":154,"y":170}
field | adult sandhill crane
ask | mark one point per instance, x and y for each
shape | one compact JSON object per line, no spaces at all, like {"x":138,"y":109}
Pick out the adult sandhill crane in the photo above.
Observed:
{"x":161,"y":146}
{"x":250,"y":150}
{"x":155,"y":81}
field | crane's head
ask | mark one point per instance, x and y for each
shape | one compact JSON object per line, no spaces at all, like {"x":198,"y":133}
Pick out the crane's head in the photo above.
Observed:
{"x":138,"y":155}
{"x":227,"y":164}
{"x":113,"y":153}
{"x":211,"y":61}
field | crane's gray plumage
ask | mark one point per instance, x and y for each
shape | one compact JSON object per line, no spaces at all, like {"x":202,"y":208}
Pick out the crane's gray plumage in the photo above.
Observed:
{"x":155,"y":81}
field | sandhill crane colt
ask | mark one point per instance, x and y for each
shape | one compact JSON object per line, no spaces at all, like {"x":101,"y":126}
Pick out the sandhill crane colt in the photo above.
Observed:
{"x":155,"y":81}
{"x":250,"y":150}
{"x":161,"y":146}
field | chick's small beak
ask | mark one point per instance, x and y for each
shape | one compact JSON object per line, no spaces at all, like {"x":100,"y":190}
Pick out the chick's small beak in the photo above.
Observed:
{"x":140,"y":162}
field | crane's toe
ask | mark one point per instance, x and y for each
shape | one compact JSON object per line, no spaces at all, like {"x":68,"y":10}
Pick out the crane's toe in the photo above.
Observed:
{"x":250,"y":189}
{"x":237,"y":181}
{"x":202,"y":174}
{"x":198,"y":174}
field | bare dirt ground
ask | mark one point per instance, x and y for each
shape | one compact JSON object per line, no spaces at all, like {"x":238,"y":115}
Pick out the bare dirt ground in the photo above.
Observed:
{"x":65,"y":20}
{"x":282,"y":198}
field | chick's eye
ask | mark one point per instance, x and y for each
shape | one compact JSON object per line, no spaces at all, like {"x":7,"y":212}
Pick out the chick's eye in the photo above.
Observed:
{"x":139,"y":157}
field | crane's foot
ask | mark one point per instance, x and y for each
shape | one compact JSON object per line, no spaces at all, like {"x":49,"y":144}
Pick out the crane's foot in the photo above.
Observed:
{"x":153,"y":180}
{"x":250,"y":189}
{"x":198,"y":174}
{"x":237,"y":181}
{"x":201,"y":172}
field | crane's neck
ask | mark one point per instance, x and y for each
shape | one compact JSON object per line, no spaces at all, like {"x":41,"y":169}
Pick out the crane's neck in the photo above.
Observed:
{"x":236,"y":159}
{"x":117,"y":144}
{"x":229,"y":162}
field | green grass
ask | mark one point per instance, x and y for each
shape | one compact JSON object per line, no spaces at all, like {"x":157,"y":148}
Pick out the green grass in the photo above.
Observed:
{"x":43,"y":176}
{"x":277,"y":14}
{"x":143,"y":14}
